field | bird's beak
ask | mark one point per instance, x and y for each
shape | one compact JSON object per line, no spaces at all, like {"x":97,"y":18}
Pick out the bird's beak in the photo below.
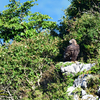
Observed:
{"x":70,"y":42}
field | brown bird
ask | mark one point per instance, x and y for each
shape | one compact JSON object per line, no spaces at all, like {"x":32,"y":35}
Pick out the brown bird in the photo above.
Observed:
{"x":72,"y":51}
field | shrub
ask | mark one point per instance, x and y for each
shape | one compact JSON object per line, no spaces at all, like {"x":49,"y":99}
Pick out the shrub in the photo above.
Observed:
{"x":23,"y":63}
{"x":86,"y":31}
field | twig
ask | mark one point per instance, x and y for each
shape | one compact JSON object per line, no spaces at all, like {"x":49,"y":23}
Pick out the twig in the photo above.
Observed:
{"x":96,"y":5}
{"x":30,"y":83}
{"x":40,"y":78}
{"x":10,"y":94}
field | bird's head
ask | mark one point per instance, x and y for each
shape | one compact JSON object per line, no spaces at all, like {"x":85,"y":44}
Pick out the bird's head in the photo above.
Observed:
{"x":73,"y":41}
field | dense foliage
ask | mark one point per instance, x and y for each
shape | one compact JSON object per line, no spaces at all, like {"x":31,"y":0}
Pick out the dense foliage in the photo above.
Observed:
{"x":23,"y":63}
{"x":29,"y":67}
{"x":17,"y":21}
{"x":79,"y":7}
{"x":85,"y":29}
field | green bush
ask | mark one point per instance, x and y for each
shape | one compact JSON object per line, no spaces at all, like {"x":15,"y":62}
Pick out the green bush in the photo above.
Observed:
{"x":86,"y":32}
{"x":27,"y":67}
{"x":17,"y":22}
{"x":23,"y":63}
{"x":79,"y":7}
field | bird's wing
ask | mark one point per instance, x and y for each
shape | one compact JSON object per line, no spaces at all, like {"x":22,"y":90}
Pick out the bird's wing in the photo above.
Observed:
{"x":69,"y":50}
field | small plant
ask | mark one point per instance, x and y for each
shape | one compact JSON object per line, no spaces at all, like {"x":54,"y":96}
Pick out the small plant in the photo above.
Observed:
{"x":62,"y":64}
{"x":93,"y":84}
{"x":77,"y":91}
{"x":23,"y":63}
{"x":67,"y":64}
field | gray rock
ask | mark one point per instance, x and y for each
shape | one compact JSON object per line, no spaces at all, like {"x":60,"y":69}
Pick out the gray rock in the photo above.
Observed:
{"x":83,"y":92}
{"x":70,"y":90}
{"x":84,"y":83}
{"x":88,"y":97}
{"x":87,"y":67}
{"x":70,"y":69}
{"x":98,"y":92}
{"x":75,"y":67}
{"x":76,"y":97}
{"x":78,"y":81}
{"x":81,"y":81}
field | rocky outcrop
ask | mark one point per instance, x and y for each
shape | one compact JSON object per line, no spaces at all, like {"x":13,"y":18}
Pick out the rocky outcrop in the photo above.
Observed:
{"x":98,"y":92}
{"x":80,"y":86}
{"x":73,"y":68}
{"x":81,"y":83}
